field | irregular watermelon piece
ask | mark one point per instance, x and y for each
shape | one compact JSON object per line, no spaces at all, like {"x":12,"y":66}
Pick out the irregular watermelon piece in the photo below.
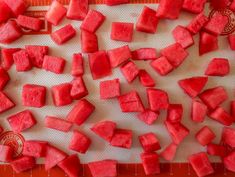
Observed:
{"x":227,"y":136}
{"x":116,"y":2}
{"x":79,"y":142}
{"x":34,"y":95}
{"x":232,"y":5}
{"x":145,"y":79}
{"x":5,"y":102}
{"x":61,"y":94}
{"x":6,"y":12}
{"x":80,"y":112}
{"x":162,"y":66}
{"x":93,"y":20}
{"x":77,"y":65}
{"x":119,"y":55}
{"x":89,"y":42}
{"x":216,"y":150}
{"x":131,"y":102}
{"x":77,"y":9}
{"x":157,"y":99}
{"x":183,"y":36}
{"x":78,"y":89}
{"x":147,"y":21}
{"x":218,"y":67}
{"x":149,"y":142}
{"x":205,"y":136}
{"x":194,"y":6}
{"x":148,"y":116}
{"x":174,"y":113}
{"x":22,"y":61}
{"x":197,"y":23}
{"x":31,"y":23}
{"x":150,"y":163}
{"x":169,"y":152}
{"x":9,"y":32}
{"x":23,"y":163}
{"x":233,"y":109}
{"x":6,"y":153}
{"x":229,"y":161}
{"x":57,"y":124}
{"x":53,"y":64}
{"x":4,"y":78}
{"x":219,"y":4}
{"x":104,"y":129}
{"x":207,"y":43}
{"x":1,"y":129}
{"x":144,"y":54}
{"x":231,"y":40}
{"x":122,"y":138}
{"x":17,"y":6}
{"x":103,"y":168}
{"x":35,"y":148}
{"x":130,"y":71}
{"x":110,"y":89}
{"x":220,"y":115}
{"x":122,"y":31}
{"x":7,"y":57}
{"x":198,"y":111}
{"x":193,"y":86}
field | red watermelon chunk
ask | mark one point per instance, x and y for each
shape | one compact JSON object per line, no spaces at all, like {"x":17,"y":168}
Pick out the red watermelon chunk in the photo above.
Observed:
{"x":130,"y":71}
{"x":17,"y":6}
{"x":205,"y":136}
{"x":169,"y":152}
{"x":5,"y":102}
{"x":61,"y":94}
{"x":6,"y":12}
{"x":77,"y":65}
{"x":218,"y":67}
{"x":150,"y":163}
{"x":35,"y":148}
{"x":229,"y":161}
{"x":53,"y":64}
{"x":231,"y":40}
{"x":174,"y":113}
{"x":232,"y":5}
{"x":116,"y":2}
{"x":89,"y":42}
{"x":162,"y":66}
{"x":6,"y":153}
{"x":7,"y":57}
{"x":149,"y":142}
{"x":57,"y":124}
{"x":122,"y":31}
{"x":216,"y":150}
{"x":77,"y":9}
{"x":207,"y":43}
{"x":22,"y":61}
{"x":4,"y":78}
{"x":78,"y":89}
{"x":110,"y":89}
{"x":144,"y":54}
{"x":103,"y":168}
{"x":183,"y":36}
{"x":147,"y":21}
{"x":233,"y":109}
{"x":219,"y":4}
{"x":197,"y":23}
{"x":157,"y":99}
{"x":198,"y":111}
{"x":220,"y":115}
{"x":104,"y":129}
{"x":31,"y":23}
{"x":228,"y":136}
{"x":194,"y":6}
{"x":9,"y":32}
{"x":1,"y":129}
{"x":23,"y":163}
{"x":122,"y":138}
{"x":148,"y":116}
{"x":145,"y":79}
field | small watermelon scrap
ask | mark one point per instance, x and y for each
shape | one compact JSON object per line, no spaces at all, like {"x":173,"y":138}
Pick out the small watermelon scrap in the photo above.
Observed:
{"x":103,"y":168}
{"x":233,"y":109}
{"x":194,"y":6}
{"x":77,"y":65}
{"x":197,"y":23}
{"x":22,"y":61}
{"x":35,"y":148}
{"x":220,"y":115}
{"x":174,"y":113}
{"x":4,"y":78}
{"x":116,"y":2}
{"x":130,"y":71}
{"x":157,"y":99}
{"x":198,"y":111}
{"x":218,"y":67}
{"x":169,"y":152}
{"x":7,"y":57}
{"x":6,"y":153}
{"x":231,"y":40}
{"x":162,"y":66}
{"x":216,"y":150}
{"x":150,"y":163}
{"x":110,"y":89}
{"x":9,"y":32}
{"x":232,"y":5}
{"x":61,"y":94}
{"x":183,"y":36}
{"x":77,"y":9}
{"x":149,"y":142}
{"x":6,"y":12}
{"x":207,"y":43}
{"x":148,"y":116}
{"x":205,"y":136}
{"x":57,"y":124}
{"x":229,"y":161}
{"x":122,"y":31}
{"x":78,"y":89}
{"x":144,"y":54}
{"x":5,"y":102}
{"x":122,"y":138}
{"x":31,"y":23}
{"x":53,"y":64}
{"x":227,"y":136}
{"x":17,"y":6}
{"x":89,"y":42}
{"x":23,"y":163}
{"x":145,"y":79}
{"x":1,"y":129}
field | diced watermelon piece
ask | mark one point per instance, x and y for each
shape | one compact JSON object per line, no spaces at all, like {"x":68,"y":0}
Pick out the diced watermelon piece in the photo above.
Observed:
{"x":193,"y":86}
{"x":9,"y":32}
{"x":205,"y":136}
{"x":78,"y":89}
{"x":1,"y":129}
{"x":198,"y":111}
{"x":150,"y":163}
{"x":157,"y":99}
{"x":229,"y":161}
{"x":131,"y":102}
{"x":122,"y":138}
{"x":233,"y":109}
{"x":174,"y":113}
{"x":169,"y":152}
{"x":77,"y":9}
{"x":197,"y":23}
{"x":57,"y":124}
{"x":63,"y":34}
{"x":53,"y":64}
{"x":220,"y":115}
{"x":148,"y":116}
{"x":89,"y":42}
{"x":144,"y":54}
{"x":110,"y":89}
{"x":231,"y":39}
{"x":104,"y":129}
{"x":103,"y":168}
{"x":34,"y":95}
{"x":162,"y":66}
{"x":6,"y":12}
{"x":7,"y":57}
{"x":216,"y":150}
{"x":227,"y":136}
{"x":22,"y":61}
{"x":147,"y":21}
{"x":4,"y":78}
{"x":35,"y":148}
{"x":145,"y":79}
{"x":201,"y":164}
{"x":71,"y":165}
{"x":99,"y":65}
{"x":55,"y":13}
{"x":77,"y":65}
{"x":79,"y":142}
{"x":36,"y":54}
{"x":207,"y":43}
{"x":116,"y":2}
{"x":5,"y":102}
{"x":194,"y":6}
{"x":17,"y":6}
{"x":149,"y":142}
{"x":183,"y":36}
{"x":122,"y":31}
{"x":80,"y":112}
{"x":23,"y":163}
{"x":6,"y":153}
{"x":119,"y":55}
{"x":93,"y":20}
{"x":214,"y":97}
{"x":219,"y":4}
{"x":31,"y":23}
{"x":218,"y":67}
{"x":130,"y":71}
{"x":61,"y":94}
{"x":232,"y":5}
{"x":169,"y":9}
{"x":53,"y":157}
{"x":177,"y":131}
{"x":175,"y":54}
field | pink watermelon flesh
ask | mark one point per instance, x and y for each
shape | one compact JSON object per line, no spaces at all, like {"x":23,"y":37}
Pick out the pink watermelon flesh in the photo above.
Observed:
{"x":220,"y":115}
{"x":227,"y":136}
{"x":57,"y":124}
{"x":148,"y":116}
{"x":162,"y":66}
{"x":229,"y":161}
{"x":122,"y":31}
{"x":145,"y":79}
{"x":149,"y":142}
{"x":116,"y":2}
{"x":174,"y":113}
{"x":110,"y":89}
{"x":183,"y":36}
{"x":22,"y":61}
{"x":4,"y":78}
{"x":31,"y":23}
{"x":7,"y":57}
{"x":77,"y":9}
{"x":5,"y":102}
{"x":6,"y":153}
{"x":122,"y":138}
{"x":6,"y":12}
{"x":218,"y":67}
{"x":216,"y":150}
{"x":144,"y":54}
{"x":205,"y":136}
{"x":61,"y":94}
{"x":78,"y":89}
{"x":53,"y":64}
{"x":23,"y":163}
{"x":17,"y":6}
{"x":130,"y":71}
{"x":231,"y":40}
{"x":9,"y":32}
{"x":77,"y":65}
{"x":197,"y":23}
{"x":35,"y":148}
{"x":194,"y":6}
{"x":150,"y":163}
{"x":207,"y":43}
{"x":103,"y":168}
{"x":157,"y":99}
{"x":89,"y":42}
{"x":198,"y":111}
{"x":169,"y":152}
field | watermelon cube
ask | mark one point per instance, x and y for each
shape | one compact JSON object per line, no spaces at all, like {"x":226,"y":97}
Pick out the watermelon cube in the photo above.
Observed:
{"x":9,"y":32}
{"x":79,"y":142}
{"x":144,"y":54}
{"x":131,"y":102}
{"x":63,"y":34}
{"x":78,"y":89}
{"x":150,"y":163}
{"x":198,"y":111}
{"x":201,"y":164}
{"x":80,"y":112}
{"x":23,"y":163}
{"x":103,"y":168}
{"x":7,"y":57}
{"x":130,"y":71}
{"x":218,"y":67}
{"x":220,"y":115}
{"x":110,"y":89}
{"x":119,"y":55}
{"x":71,"y":165}
{"x":6,"y":12}
{"x":104,"y":129}
{"x":99,"y":65}
{"x":22,"y":121}
{"x":149,"y":142}
{"x":233,"y":109}
{"x":169,"y":152}
{"x":4,"y":78}
{"x":55,"y":13}
{"x":213,"y":97}
{"x":6,"y":153}
{"x":205,"y":136}
{"x":162,"y":66}
{"x":35,"y":148}
{"x":61,"y":94}
{"x":229,"y":161}
{"x":57,"y":124}
{"x":77,"y":65}
{"x":34,"y":95}
{"x":183,"y":36}
{"x":174,"y":113}
{"x":231,"y":40}
{"x":89,"y":42}
{"x":147,"y":21}
{"x":157,"y":99}
{"x":17,"y":6}
{"x":145,"y":79}
{"x":5,"y":102}
{"x":22,"y":61}
{"x":227,"y":136}
{"x":193,"y":86}
{"x":116,"y":2}
{"x":31,"y":23}
{"x":216,"y":150}
{"x":194,"y":6}
{"x":53,"y":64}
{"x":92,"y":21}
{"x":122,"y":31}
{"x":77,"y":9}
{"x":219,"y":4}
{"x":148,"y":116}
{"x":197,"y":23}
{"x":207,"y":43}
{"x":122,"y":138}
